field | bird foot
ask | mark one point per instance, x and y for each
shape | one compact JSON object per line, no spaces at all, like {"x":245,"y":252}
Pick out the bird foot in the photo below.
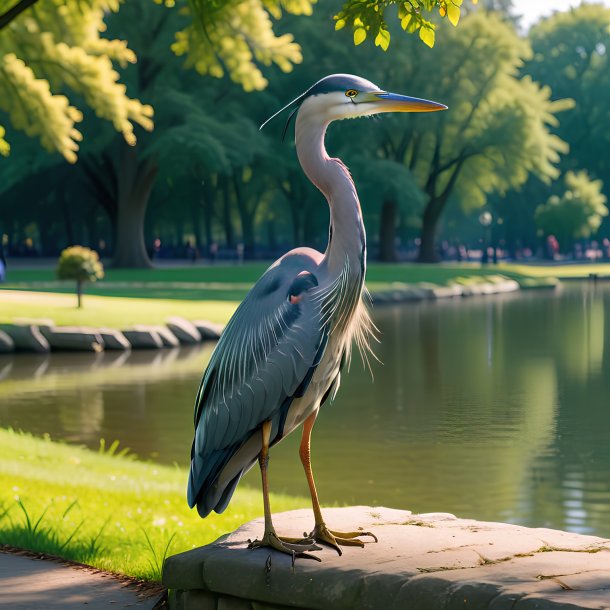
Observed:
{"x":335,"y":539}
{"x":296,"y":547}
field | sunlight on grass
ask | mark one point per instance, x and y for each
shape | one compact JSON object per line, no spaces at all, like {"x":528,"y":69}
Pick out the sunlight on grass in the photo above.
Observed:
{"x":107,"y":509}
{"x":116,"y":312}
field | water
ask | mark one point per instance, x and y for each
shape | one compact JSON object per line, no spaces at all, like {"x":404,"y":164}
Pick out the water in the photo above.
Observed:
{"x":494,"y":408}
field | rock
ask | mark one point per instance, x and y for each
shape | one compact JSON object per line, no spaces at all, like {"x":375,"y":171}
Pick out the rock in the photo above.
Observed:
{"x":7,"y":345}
{"x":168,"y":339}
{"x":186,"y":331}
{"x":143,"y":339}
{"x":73,"y":338}
{"x":423,"y":562}
{"x":26,"y":337}
{"x":113,"y":339}
{"x":209,"y":331}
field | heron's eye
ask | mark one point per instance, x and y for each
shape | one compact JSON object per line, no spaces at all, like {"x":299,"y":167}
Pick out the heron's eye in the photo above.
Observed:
{"x":351,"y":93}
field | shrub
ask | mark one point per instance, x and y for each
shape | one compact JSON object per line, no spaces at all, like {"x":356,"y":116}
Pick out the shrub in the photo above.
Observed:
{"x":80,"y":264}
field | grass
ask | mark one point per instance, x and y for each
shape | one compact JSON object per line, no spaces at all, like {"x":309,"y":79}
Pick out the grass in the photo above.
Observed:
{"x":149,"y":296}
{"x":115,"y":312}
{"x":106,"y":509}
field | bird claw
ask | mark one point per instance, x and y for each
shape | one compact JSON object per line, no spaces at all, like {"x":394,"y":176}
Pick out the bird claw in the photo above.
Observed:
{"x":323,"y":535}
{"x":290,"y":546}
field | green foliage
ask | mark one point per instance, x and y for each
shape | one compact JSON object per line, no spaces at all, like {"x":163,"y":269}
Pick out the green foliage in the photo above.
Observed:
{"x":56,"y":47}
{"x":572,"y":56}
{"x":235,"y":37}
{"x":577,"y":213}
{"x":80,"y":264}
{"x":368,"y":19}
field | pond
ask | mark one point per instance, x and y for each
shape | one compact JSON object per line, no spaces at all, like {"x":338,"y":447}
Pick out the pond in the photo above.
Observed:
{"x":494,"y":408}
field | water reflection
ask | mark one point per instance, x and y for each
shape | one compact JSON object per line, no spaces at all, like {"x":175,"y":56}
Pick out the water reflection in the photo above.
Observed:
{"x":490,"y":408}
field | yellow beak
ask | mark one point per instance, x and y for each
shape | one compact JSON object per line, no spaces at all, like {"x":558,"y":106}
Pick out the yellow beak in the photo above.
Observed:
{"x":393,"y":102}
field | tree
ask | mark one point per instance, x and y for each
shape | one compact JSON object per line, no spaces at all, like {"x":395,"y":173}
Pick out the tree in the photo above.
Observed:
{"x":79,"y":264}
{"x":571,"y":55}
{"x":52,"y":47}
{"x":55,"y":47}
{"x":578,"y":213}
{"x":496,"y":132}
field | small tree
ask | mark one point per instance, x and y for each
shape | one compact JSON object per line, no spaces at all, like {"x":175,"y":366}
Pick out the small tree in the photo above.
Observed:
{"x":80,"y":264}
{"x":578,"y":213}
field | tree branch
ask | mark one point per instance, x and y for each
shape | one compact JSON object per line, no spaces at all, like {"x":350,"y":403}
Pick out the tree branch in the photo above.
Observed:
{"x":14,"y":12}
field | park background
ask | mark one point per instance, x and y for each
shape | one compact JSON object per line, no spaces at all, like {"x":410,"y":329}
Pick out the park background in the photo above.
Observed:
{"x":187,"y":204}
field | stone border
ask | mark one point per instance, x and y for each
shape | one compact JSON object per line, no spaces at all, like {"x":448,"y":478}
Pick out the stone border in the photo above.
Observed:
{"x":42,"y":336}
{"x":460,"y":287}
{"x":429,"y":561}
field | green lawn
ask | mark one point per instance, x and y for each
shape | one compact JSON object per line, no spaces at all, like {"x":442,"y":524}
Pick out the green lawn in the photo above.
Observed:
{"x":108,"y":511}
{"x":114,"y":312}
{"x":149,"y":296}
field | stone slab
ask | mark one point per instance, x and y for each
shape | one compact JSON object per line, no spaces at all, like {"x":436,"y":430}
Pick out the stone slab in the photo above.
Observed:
{"x":33,"y":584}
{"x":143,"y":339}
{"x":73,"y":338}
{"x":424,"y":562}
{"x":209,"y":331}
{"x":26,"y":337}
{"x":114,"y":339}
{"x":7,"y":345}
{"x":186,"y":331}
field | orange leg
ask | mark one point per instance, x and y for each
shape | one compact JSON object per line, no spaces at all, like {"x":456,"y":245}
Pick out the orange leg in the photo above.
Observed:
{"x":270,"y":538}
{"x":320,"y":532}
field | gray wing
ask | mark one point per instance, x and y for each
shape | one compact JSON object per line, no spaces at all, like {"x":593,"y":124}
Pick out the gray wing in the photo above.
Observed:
{"x":264,"y":359}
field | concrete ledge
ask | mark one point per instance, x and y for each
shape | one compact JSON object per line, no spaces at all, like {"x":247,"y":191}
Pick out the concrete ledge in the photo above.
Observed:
{"x":421,"y":562}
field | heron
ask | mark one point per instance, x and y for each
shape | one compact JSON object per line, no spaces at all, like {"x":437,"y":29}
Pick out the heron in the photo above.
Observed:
{"x":281,"y":354}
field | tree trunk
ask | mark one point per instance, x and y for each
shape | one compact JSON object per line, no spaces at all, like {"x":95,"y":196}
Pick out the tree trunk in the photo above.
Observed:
{"x":135,"y":182}
{"x":387,"y":231}
{"x":246,"y":217}
{"x":228,"y":224}
{"x":208,"y":209}
{"x":427,"y":248}
{"x":79,"y":293}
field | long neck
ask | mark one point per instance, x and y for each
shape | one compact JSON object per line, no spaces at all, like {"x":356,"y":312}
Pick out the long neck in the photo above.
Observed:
{"x":347,"y":238}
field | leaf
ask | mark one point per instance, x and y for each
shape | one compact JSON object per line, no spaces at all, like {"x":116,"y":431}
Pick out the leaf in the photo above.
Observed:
{"x":359,"y":36}
{"x":4,"y":145}
{"x":383,"y":39}
{"x":443,"y":11}
{"x":453,"y":13}
{"x":406,"y":20}
{"x":339,"y":24}
{"x":426,"y":33}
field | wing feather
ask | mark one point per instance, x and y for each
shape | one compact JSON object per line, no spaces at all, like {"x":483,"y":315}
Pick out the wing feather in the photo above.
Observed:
{"x":265,"y":357}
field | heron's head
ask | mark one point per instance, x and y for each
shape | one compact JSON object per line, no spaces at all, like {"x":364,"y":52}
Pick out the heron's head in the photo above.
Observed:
{"x":345,"y":96}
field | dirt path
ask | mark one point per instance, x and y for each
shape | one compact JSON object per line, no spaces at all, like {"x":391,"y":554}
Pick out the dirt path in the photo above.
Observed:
{"x":35,"y":584}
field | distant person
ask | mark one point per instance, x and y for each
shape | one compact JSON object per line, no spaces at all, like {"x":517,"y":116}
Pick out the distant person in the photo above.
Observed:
{"x":156,"y":248}
{"x":213,"y":250}
{"x":2,"y":264}
{"x":552,"y":247}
